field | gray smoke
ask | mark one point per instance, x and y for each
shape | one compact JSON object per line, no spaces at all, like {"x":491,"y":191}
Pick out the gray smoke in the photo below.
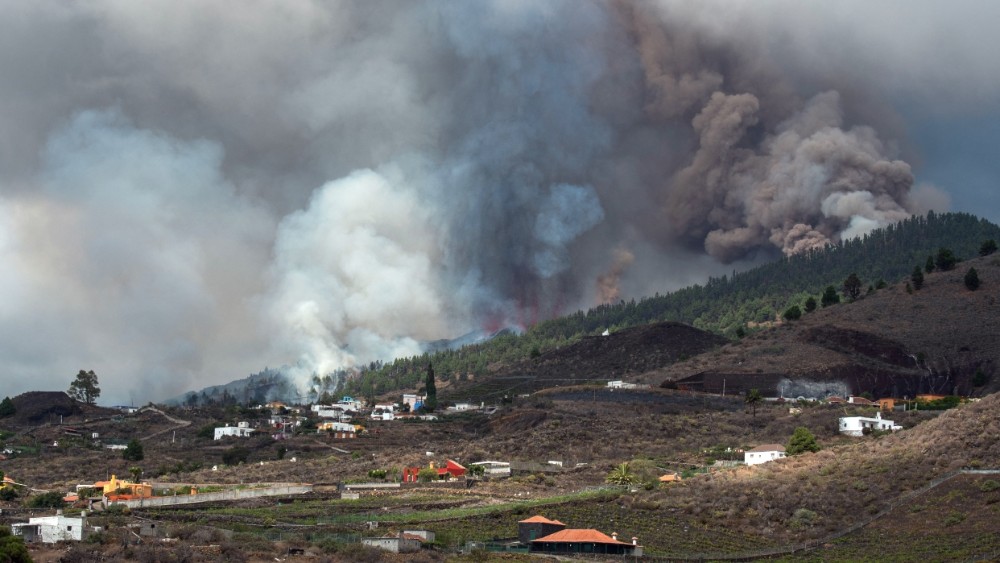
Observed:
{"x":192,"y":191}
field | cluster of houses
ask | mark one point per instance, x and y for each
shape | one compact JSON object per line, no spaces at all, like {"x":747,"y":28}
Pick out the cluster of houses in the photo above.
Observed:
{"x":340,"y":419}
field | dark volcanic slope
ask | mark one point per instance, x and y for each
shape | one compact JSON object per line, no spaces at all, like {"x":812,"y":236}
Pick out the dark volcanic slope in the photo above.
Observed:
{"x":627,"y":352}
{"x":890,"y":343}
{"x":38,"y":407}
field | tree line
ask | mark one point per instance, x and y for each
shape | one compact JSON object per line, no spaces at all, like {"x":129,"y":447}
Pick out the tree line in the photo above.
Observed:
{"x":729,"y":305}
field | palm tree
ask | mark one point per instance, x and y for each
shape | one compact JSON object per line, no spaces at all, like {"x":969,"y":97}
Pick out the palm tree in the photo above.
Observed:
{"x":753,"y":398}
{"x":621,"y":475}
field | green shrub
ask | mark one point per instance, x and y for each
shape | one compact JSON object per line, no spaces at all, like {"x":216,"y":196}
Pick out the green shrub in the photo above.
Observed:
{"x":235,"y":455}
{"x":52,"y":499}
{"x":953,"y":518}
{"x":12,"y":547}
{"x":989,"y":485}
{"x":803,"y":518}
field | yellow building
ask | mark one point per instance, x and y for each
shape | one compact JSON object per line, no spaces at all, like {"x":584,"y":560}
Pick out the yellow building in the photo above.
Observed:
{"x":113,"y":486}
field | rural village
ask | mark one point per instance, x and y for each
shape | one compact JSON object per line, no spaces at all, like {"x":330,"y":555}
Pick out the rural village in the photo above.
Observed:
{"x":354,"y":430}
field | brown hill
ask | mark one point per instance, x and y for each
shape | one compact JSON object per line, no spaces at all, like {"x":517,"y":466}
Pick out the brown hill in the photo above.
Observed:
{"x":840,"y":486}
{"x":38,"y":406}
{"x":628,"y":352}
{"x":890,"y":343}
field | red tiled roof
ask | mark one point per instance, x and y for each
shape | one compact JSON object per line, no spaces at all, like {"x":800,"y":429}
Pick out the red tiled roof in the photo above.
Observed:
{"x":768,"y":448}
{"x":579,"y":536}
{"x":541,"y":520}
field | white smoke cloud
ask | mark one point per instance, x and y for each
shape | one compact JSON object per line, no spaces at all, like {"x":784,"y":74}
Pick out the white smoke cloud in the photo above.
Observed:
{"x":115,"y":259}
{"x":354,"y":276}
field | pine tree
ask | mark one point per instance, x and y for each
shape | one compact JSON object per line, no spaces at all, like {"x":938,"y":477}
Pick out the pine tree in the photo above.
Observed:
{"x":7,"y":407}
{"x":84,"y":387}
{"x":945,"y":259}
{"x":802,"y":441}
{"x":830,"y":296}
{"x":972,"y":279}
{"x":793,"y":313}
{"x":133,"y":451}
{"x":929,"y":264}
{"x":917,"y":277}
{"x":810,"y":304}
{"x":430,"y":403}
{"x":989,"y":247}
{"x":852,"y":286}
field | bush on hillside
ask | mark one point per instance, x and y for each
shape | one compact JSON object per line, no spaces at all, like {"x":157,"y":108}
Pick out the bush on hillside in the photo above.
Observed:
{"x":989,"y":247}
{"x":945,"y":259}
{"x":52,"y":499}
{"x":972,"y":279}
{"x":802,"y":441}
{"x":793,"y":313}
{"x":235,"y":455}
{"x":917,"y":278}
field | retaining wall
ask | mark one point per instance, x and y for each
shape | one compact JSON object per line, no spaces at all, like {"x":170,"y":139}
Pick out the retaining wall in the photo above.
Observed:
{"x":234,"y":494}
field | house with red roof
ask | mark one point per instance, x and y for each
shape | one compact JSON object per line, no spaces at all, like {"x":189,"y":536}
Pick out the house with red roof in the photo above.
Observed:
{"x":585,"y":541}
{"x":452,"y":470}
{"x":536,"y":527}
{"x":543,"y":535}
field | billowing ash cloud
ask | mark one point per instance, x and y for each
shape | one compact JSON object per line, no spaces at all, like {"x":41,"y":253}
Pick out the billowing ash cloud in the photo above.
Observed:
{"x":191,"y":191}
{"x":802,"y":187}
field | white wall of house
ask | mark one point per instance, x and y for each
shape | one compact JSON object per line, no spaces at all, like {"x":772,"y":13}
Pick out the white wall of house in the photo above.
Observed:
{"x":494,"y":468}
{"x":395,"y":545}
{"x":856,"y":425}
{"x":50,"y":529}
{"x":756,"y":458}
{"x":240,"y":431}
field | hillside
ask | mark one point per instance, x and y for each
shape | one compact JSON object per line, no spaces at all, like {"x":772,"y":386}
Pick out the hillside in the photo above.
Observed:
{"x":618,"y":355}
{"x":721,"y":305}
{"x":888,"y":343}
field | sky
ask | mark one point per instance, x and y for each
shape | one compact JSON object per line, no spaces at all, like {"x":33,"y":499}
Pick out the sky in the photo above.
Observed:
{"x":193,"y":191}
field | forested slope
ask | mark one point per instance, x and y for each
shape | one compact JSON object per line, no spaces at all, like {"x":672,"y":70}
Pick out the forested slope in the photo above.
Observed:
{"x":722,"y":305}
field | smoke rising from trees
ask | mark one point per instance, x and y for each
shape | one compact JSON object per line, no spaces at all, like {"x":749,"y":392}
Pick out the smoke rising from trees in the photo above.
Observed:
{"x":193,"y":191}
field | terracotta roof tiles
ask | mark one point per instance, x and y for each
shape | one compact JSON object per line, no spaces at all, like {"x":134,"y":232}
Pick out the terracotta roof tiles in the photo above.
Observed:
{"x":541,"y":520}
{"x":579,"y":536}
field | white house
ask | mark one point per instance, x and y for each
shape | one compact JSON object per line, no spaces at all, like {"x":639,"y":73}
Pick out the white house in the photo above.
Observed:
{"x":241,"y":430}
{"x":336,"y":427}
{"x":405,"y":542}
{"x":52,"y":529}
{"x":619,"y":384}
{"x":856,"y":425}
{"x":494,"y":468}
{"x":338,"y":412}
{"x":764,"y":454}
{"x":351,"y":403}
